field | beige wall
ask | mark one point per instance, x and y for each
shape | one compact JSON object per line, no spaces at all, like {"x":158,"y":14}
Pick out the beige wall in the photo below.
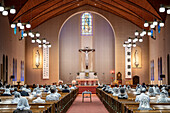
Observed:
{"x":11,"y":46}
{"x":160,"y":48}
{"x":51,"y":29}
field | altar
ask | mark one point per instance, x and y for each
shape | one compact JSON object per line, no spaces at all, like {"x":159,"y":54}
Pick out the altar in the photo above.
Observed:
{"x":87,"y":79}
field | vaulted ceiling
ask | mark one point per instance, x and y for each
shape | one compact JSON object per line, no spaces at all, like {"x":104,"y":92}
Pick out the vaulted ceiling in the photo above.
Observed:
{"x":39,"y":11}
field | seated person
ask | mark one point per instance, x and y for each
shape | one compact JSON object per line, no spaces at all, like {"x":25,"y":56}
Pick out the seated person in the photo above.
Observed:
{"x":138,"y":86}
{"x":28,"y":89}
{"x":144,"y":102}
{"x":33,"y":86}
{"x":66,"y":90}
{"x":115,"y":86}
{"x":157,"y":90}
{"x":38,"y":100}
{"x":128,"y":88}
{"x":138,"y":92}
{"x":52,"y":96}
{"x":23,"y":106}
{"x":24,"y":93}
{"x":42,"y":88}
{"x":38,"y":92}
{"x":122,"y":94}
{"x":7,"y":92}
{"x":46,"y":89}
{"x":165,"y":91}
{"x":12,"y":88}
{"x":162,"y":98}
{"x":15,"y":90}
{"x":34,"y":92}
{"x":116,"y":91}
{"x":138,"y":98}
{"x":73,"y":87}
{"x":16,"y":99}
{"x":151,"y":92}
{"x":104,"y":87}
{"x":143,"y":85}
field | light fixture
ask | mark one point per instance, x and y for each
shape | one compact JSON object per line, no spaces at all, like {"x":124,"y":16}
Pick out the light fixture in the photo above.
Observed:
{"x":144,"y":32}
{"x":30,"y":33}
{"x":44,"y":40}
{"x":152,"y":26}
{"x":5,"y":13}
{"x":140,"y":39}
{"x":12,"y":10}
{"x":136,"y":38}
{"x":136,"y":33}
{"x":37,"y":40}
{"x":49,"y":45}
{"x":28,"y":25}
{"x":162,"y":8}
{"x":44,"y":45}
{"x":168,"y":11}
{"x":19,"y":23}
{"x":129,"y":39}
{"x":13,"y":25}
{"x":149,"y":33}
{"x":32,"y":36}
{"x":155,"y":23}
{"x":134,"y":44}
{"x":37,"y":34}
{"x":39,"y":45}
{"x":25,"y":34}
{"x":1,"y":8}
{"x":161,"y":24}
{"x":146,"y":24}
{"x":22,"y":27}
{"x":33,"y":40}
{"x":124,"y":45}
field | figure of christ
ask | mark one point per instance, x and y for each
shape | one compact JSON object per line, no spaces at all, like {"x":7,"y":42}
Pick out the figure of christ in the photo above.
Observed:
{"x":86,"y":51}
{"x":136,"y":58}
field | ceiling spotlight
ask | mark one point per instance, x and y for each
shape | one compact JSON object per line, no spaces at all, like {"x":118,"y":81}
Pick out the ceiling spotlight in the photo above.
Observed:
{"x":146,"y":24}
{"x":30,"y":33}
{"x":25,"y":34}
{"x":152,"y":26}
{"x":44,"y":45}
{"x":140,"y":39}
{"x":5,"y":13}
{"x":19,"y":23}
{"x":44,"y":40}
{"x":142,"y":34}
{"x":1,"y":8}
{"x":134,"y":40}
{"x":22,"y":27}
{"x":155,"y":23}
{"x":28,"y":25}
{"x":13,"y":25}
{"x":33,"y":40}
{"x":136,"y":33}
{"x":168,"y":11}
{"x":37,"y":40}
{"x":129,"y":39}
{"x":12,"y":10}
{"x":149,"y":33}
{"x":162,"y":8}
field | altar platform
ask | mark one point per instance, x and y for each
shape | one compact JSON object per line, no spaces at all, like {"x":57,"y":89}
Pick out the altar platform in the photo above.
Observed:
{"x":86,"y":88}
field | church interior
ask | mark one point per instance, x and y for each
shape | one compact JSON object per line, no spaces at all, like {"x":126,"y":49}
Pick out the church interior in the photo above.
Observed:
{"x":95,"y":56}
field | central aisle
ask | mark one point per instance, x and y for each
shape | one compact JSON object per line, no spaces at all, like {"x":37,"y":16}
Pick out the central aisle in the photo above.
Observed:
{"x":95,"y":106}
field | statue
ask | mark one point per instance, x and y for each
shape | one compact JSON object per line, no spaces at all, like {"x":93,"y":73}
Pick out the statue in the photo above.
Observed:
{"x":136,"y":58}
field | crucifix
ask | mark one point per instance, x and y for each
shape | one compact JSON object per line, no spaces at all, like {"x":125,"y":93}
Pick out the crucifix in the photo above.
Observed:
{"x":86,"y":51}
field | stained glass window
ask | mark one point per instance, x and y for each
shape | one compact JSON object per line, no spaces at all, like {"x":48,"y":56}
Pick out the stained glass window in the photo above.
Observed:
{"x":152,"y":70}
{"x":86,"y":24}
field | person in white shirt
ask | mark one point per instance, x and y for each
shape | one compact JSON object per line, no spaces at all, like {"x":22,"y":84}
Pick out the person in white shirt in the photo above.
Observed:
{"x":38,"y":100}
{"x":138,"y":98}
{"x":23,"y":104}
{"x":52,"y":96}
{"x":163,"y":98}
{"x":151,"y":92}
{"x":16,"y":98}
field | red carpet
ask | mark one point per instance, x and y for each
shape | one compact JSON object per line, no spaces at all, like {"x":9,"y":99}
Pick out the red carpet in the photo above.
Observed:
{"x":95,"y":106}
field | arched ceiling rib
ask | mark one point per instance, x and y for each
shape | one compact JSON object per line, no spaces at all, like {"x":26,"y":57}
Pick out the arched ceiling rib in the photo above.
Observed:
{"x":39,"y":11}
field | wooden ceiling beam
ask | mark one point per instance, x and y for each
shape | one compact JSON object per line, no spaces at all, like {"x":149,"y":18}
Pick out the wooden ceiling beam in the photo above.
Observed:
{"x":37,"y":7}
{"x":133,"y":4}
{"x":110,"y":5}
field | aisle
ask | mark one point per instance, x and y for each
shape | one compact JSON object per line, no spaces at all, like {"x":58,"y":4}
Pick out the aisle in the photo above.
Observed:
{"x":96,"y":106}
